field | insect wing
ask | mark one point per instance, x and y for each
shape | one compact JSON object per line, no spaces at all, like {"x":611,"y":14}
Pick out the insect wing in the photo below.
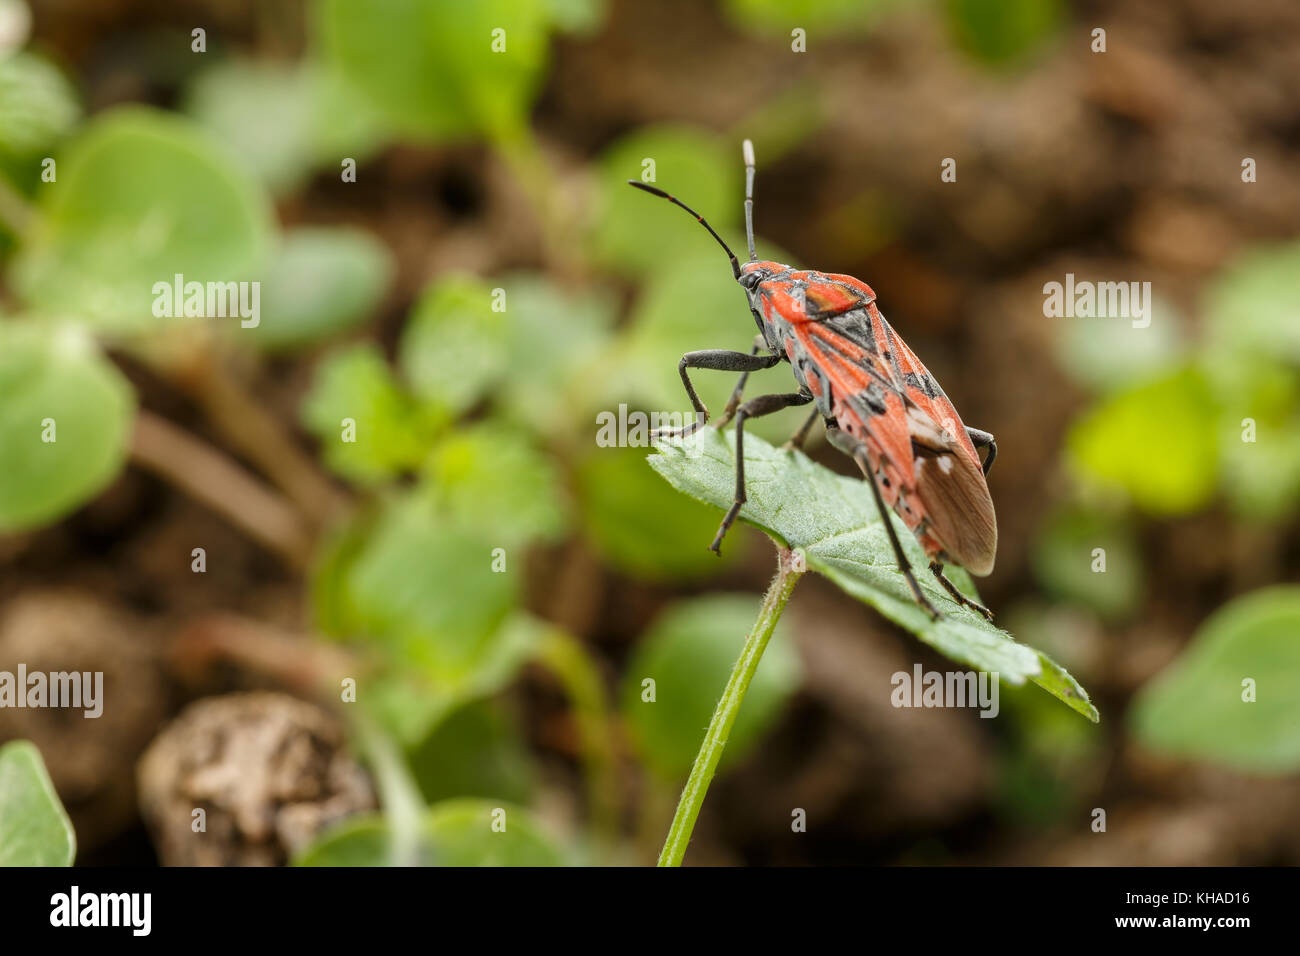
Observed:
{"x":869,"y":407}
{"x":948,"y":475}
{"x":955,"y":498}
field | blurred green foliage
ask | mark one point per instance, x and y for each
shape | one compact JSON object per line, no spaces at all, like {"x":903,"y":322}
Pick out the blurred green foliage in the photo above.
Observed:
{"x":1003,"y":32}
{"x":634,"y":233}
{"x":355,"y":387}
{"x":476,"y":751}
{"x":827,"y":17}
{"x":452,"y":350}
{"x":1156,"y":441}
{"x":1174,"y":425}
{"x":688,"y":653}
{"x":385,"y":591}
{"x":321,"y":282}
{"x":66,"y":412}
{"x":263,"y":112}
{"x":38,"y":108}
{"x":1066,"y":564}
{"x":490,"y":476}
{"x":640,"y":526}
{"x":34,"y":828}
{"x":1105,"y":353}
{"x":430,"y":67}
{"x":1230,"y":698}
{"x":142,"y":196}
{"x":459,"y":832}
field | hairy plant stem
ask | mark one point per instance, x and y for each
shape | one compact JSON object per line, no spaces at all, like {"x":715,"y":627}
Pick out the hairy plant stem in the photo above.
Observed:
{"x":790,"y":568}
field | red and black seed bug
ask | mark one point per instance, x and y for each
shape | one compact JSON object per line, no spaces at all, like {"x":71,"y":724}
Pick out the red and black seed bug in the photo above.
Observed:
{"x":879,"y":404}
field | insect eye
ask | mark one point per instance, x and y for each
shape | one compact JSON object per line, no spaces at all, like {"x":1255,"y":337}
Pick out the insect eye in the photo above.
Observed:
{"x":750,"y":280}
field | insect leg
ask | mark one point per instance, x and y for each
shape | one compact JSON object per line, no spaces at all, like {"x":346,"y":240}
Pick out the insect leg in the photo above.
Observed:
{"x":798,"y":438}
{"x":857,"y":451}
{"x":719,"y":360}
{"x":763,"y":405}
{"x":734,"y":401}
{"x":983,"y":440}
{"x":957,"y":596}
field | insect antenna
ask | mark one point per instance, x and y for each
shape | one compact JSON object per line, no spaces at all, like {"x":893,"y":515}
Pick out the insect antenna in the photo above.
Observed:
{"x":655,"y":191}
{"x":747,"y":148}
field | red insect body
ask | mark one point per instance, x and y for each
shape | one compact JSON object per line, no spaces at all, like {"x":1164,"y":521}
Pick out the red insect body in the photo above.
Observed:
{"x":879,"y":403}
{"x":864,"y":378}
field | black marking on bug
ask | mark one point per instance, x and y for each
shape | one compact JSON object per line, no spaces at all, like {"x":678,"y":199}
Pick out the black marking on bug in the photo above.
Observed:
{"x":874,"y":397}
{"x":856,"y":327}
{"x":923,"y":383}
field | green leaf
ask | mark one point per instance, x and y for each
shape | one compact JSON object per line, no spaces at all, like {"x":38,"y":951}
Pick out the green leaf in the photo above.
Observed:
{"x":1002,"y":32}
{"x":834,"y":521}
{"x":689,"y":652}
{"x":463,"y":835}
{"x":360,"y":840}
{"x":55,"y":384}
{"x":453,"y":348}
{"x":332,"y":611}
{"x":262,"y":110}
{"x":582,"y":17}
{"x":1105,"y":352}
{"x":283,"y":120}
{"x":345,"y":123}
{"x":38,"y":107}
{"x":428,"y":66}
{"x":412,"y":702}
{"x":460,"y":832}
{"x":389,"y":433}
{"x":641,"y":527}
{"x":1063,"y":561}
{"x":428,"y":590}
{"x":142,"y":196}
{"x":636,"y":231}
{"x":830,"y":18}
{"x":1156,"y":441}
{"x":407,"y":695}
{"x":490,"y":477}
{"x":1259,"y":436}
{"x":34,"y":828}
{"x":322,"y":281}
{"x":1195,"y":708}
{"x":476,"y":751}
{"x":1254,"y":305}
{"x":557,"y":340}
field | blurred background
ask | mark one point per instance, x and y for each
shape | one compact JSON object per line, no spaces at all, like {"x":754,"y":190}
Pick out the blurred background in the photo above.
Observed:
{"x":357,"y":647}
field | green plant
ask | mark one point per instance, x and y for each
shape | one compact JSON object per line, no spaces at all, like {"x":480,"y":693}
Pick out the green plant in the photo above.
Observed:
{"x":823,"y":522}
{"x":1230,"y":696}
{"x":34,"y":828}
